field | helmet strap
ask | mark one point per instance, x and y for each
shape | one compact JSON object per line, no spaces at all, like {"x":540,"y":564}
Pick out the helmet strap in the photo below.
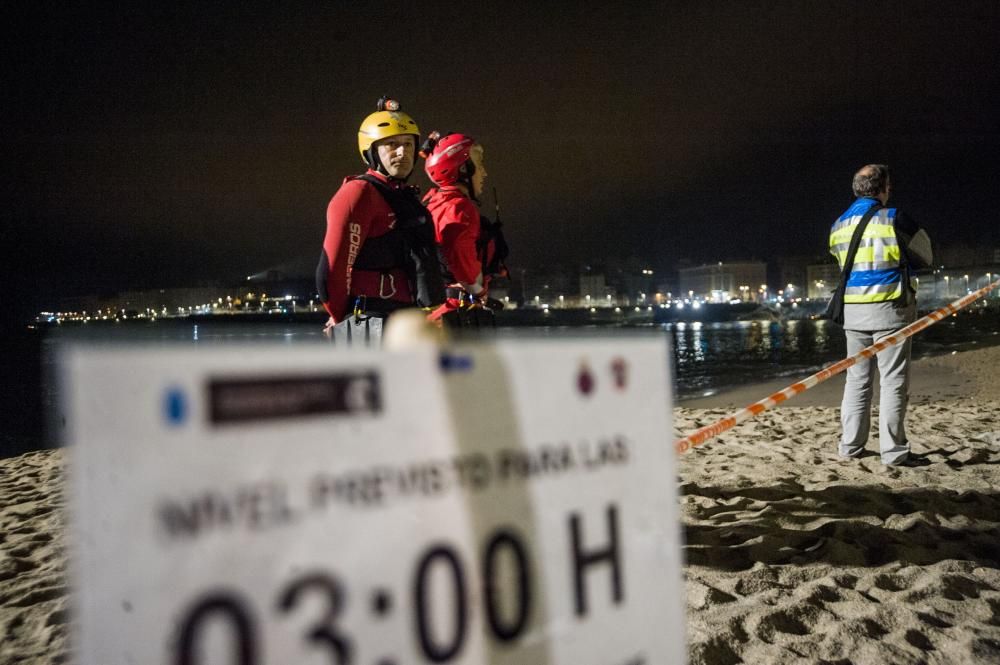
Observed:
{"x":469,"y":169}
{"x":374,"y":163}
{"x":371,"y":158}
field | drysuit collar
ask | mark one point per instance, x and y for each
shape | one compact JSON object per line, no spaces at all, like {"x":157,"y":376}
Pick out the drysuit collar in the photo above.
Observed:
{"x":455,"y":190}
{"x":389,"y":180}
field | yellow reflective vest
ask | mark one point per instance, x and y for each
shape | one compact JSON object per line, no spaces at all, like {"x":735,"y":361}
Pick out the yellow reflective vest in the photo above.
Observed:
{"x":879,"y":268}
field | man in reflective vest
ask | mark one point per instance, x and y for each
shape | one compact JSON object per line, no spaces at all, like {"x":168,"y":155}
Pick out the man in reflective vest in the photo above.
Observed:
{"x":879,"y":299}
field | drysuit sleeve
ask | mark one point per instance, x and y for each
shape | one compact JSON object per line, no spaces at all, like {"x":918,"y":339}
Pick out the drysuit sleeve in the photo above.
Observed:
{"x":348,"y":223}
{"x":459,"y":234}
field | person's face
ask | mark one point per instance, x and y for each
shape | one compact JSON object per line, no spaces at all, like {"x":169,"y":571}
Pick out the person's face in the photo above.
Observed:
{"x":479,"y":177}
{"x":396,"y":155}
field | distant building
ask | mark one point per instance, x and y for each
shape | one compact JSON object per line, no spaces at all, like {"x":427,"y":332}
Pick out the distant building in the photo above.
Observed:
{"x":822,"y":279}
{"x":666,"y":289}
{"x":637,"y":286}
{"x":791,"y":271}
{"x":944,"y":284}
{"x":939,"y":284}
{"x":544,"y":287}
{"x":631,"y":281}
{"x":169,"y":300}
{"x":181,"y":301}
{"x":593,"y":288}
{"x":722,"y":282}
{"x":88,"y":304}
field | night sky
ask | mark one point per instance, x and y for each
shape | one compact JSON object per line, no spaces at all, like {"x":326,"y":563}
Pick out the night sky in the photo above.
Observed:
{"x":166,"y":146}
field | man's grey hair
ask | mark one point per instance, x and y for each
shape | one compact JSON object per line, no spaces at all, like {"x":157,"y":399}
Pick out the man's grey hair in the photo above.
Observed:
{"x":871,"y":180}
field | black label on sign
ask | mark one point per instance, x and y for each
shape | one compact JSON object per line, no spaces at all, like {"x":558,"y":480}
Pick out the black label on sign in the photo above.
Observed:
{"x":237,"y":400}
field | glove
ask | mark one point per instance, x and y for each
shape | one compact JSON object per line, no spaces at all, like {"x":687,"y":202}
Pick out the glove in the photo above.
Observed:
{"x":328,"y":328}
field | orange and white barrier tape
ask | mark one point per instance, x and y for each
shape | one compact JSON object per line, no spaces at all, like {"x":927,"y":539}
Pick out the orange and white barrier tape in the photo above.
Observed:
{"x":703,"y":434}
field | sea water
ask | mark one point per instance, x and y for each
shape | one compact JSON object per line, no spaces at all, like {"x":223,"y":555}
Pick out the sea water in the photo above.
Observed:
{"x":706,"y":357}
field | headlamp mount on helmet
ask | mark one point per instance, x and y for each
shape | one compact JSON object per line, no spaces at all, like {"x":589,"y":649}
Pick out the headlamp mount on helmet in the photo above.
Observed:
{"x":387,"y":121}
{"x":386,"y":104}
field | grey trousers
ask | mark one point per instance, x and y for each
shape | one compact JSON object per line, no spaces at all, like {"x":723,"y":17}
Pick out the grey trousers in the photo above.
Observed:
{"x":367,"y":333}
{"x":855,"y":410}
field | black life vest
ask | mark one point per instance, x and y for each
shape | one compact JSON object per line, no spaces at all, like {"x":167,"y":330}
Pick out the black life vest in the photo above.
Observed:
{"x":409,"y":245}
{"x":491,"y":233}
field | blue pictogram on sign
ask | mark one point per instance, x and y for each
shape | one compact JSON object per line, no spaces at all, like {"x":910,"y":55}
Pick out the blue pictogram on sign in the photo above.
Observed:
{"x":455,"y":363}
{"x":175,"y":408}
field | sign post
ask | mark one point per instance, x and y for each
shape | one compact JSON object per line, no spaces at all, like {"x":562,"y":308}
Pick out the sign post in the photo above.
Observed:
{"x":499,"y":504}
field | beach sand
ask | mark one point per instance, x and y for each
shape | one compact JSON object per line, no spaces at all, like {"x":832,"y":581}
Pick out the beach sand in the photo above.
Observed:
{"x":796,"y":556}
{"x":793,"y":555}
{"x":33,"y":598}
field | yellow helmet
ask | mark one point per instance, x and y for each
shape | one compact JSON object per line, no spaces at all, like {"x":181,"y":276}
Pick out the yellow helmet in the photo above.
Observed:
{"x":387,"y":121}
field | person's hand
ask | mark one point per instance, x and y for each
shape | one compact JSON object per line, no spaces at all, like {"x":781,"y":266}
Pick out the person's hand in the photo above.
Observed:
{"x":328,"y":328}
{"x":479,"y":299}
{"x":485,"y":301}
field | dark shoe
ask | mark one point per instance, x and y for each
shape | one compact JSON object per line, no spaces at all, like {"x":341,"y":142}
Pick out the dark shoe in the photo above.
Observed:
{"x":861,"y":454}
{"x":912,"y":461}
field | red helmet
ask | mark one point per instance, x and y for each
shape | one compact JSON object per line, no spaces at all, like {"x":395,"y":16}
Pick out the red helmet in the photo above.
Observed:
{"x":444,"y":165}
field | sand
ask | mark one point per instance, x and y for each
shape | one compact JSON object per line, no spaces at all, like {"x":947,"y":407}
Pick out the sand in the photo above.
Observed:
{"x":793,"y":555}
{"x":33,"y":599}
{"x":796,"y":556}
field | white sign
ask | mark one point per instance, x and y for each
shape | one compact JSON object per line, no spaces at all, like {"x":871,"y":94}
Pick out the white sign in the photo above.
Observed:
{"x":510,"y":504}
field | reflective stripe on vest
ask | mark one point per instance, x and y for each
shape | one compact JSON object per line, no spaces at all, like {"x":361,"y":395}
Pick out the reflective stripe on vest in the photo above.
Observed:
{"x":877,"y":275}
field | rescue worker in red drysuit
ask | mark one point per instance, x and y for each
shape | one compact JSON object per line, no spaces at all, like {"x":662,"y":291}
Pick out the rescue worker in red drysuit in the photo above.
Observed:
{"x":471,"y":247}
{"x":379,"y":253}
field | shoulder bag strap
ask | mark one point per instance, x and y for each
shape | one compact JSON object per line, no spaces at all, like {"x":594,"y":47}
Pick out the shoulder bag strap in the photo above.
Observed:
{"x":852,"y":250}
{"x":835,"y":309}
